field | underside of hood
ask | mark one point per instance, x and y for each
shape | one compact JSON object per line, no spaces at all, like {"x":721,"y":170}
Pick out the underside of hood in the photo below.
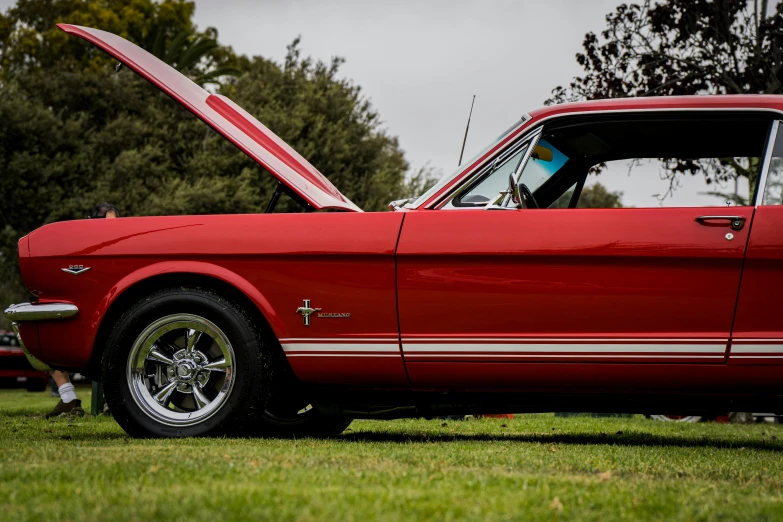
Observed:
{"x":227,"y":118}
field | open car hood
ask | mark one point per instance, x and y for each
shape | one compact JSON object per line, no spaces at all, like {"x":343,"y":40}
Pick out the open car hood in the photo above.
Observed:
{"x":227,"y":118}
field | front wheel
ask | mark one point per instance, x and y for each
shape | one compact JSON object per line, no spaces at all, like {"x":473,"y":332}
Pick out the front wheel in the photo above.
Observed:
{"x":185,"y":362}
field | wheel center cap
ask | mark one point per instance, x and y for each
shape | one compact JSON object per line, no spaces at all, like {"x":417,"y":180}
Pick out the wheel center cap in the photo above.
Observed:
{"x":185,"y":369}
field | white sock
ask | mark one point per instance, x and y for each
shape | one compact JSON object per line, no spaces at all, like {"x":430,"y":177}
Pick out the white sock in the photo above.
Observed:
{"x":67,"y":392}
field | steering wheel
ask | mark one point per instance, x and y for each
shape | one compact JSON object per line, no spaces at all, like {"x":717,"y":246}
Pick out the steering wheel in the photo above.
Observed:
{"x":528,"y":201}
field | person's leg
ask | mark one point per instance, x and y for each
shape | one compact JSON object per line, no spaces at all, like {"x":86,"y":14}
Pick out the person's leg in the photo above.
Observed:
{"x":68,"y":404}
{"x":61,"y":377}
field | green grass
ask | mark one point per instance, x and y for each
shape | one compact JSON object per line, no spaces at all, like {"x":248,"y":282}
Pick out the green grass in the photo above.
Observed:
{"x":535,"y":467}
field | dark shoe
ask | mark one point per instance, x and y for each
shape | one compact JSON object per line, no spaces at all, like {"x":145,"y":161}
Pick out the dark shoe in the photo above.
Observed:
{"x":69,"y":409}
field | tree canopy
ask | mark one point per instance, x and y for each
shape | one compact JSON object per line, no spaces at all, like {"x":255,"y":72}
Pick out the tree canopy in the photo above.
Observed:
{"x":677,"y":47}
{"x":74,"y":133}
{"x":680,"y":47}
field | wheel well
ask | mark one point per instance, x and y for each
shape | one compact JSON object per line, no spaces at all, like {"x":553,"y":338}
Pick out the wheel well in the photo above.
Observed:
{"x":150,"y":285}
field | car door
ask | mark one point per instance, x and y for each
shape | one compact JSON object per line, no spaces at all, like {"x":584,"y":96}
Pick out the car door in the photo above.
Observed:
{"x":569,"y":298}
{"x":757,"y":338}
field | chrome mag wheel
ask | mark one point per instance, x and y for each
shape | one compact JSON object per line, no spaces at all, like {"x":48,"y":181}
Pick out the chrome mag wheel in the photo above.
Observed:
{"x":181,"y":370}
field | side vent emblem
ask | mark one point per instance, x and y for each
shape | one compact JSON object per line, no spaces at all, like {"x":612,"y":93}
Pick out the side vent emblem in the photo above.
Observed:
{"x":76,"y":269}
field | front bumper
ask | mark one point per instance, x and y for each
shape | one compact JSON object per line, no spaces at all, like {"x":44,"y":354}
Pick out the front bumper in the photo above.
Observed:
{"x":37,"y":312}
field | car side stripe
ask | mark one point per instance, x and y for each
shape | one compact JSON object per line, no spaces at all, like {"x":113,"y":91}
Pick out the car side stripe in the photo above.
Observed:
{"x":341,"y":347}
{"x":757,"y":348}
{"x":571,"y":347}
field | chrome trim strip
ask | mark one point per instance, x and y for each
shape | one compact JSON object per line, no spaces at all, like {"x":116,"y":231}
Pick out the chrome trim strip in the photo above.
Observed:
{"x":570,"y":347}
{"x":40,"y":312}
{"x":773,"y":134}
{"x":446,"y":196}
{"x":32,"y":359}
{"x":763,"y":356}
{"x":338,"y":347}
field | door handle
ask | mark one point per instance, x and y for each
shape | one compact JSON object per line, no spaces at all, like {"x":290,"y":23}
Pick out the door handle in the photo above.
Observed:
{"x":737,"y":222}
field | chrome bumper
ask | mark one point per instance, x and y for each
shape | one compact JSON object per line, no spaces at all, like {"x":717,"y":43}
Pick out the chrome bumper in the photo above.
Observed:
{"x":40,"y":312}
{"x":37,"y":312}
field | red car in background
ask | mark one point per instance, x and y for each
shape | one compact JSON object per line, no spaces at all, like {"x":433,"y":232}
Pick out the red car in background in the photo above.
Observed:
{"x":492,"y":292}
{"x":15,"y":369}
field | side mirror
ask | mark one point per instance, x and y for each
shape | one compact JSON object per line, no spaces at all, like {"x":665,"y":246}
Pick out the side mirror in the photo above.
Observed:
{"x":510,"y":197}
{"x":513,"y":190}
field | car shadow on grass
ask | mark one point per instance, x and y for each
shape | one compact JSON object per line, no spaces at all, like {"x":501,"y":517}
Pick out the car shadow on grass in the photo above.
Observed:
{"x":615,"y":439}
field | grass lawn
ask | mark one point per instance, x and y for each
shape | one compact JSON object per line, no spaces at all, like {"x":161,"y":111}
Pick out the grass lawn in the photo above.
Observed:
{"x":535,"y":467}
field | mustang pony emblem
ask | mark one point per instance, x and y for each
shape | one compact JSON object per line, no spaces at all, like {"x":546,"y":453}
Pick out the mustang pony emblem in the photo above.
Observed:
{"x":307,"y":311}
{"x":75,"y":269}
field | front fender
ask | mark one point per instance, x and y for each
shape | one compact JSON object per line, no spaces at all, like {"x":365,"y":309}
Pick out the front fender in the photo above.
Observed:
{"x":186,"y":267}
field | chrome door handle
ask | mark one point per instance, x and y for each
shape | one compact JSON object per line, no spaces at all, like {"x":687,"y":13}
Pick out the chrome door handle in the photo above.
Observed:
{"x":737,"y":222}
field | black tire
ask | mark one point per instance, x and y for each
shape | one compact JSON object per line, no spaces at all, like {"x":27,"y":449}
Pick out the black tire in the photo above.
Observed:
{"x":288,"y":411}
{"x":36,"y":385}
{"x":240,"y":404}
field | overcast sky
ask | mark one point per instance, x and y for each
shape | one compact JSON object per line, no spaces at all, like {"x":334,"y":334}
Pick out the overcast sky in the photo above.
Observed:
{"x":420,"y":62}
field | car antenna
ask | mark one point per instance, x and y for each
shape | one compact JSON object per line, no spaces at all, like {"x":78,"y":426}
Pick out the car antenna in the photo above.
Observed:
{"x":465,"y":139}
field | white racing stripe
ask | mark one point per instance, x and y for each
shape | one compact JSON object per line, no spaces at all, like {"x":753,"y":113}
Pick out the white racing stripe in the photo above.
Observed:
{"x":576,"y":355}
{"x":573,"y":347}
{"x":577,"y":340}
{"x":757,"y":348}
{"x":395,"y":355}
{"x":337,"y":339}
{"x":508,"y":348}
{"x":340,"y":347}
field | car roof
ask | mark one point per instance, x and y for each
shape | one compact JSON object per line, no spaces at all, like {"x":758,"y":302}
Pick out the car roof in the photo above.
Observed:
{"x":727,"y":102}
{"x":694,"y":102}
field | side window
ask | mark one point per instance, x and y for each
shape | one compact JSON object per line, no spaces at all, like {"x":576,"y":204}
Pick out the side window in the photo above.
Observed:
{"x":671,"y":182}
{"x":497,"y":182}
{"x":773,"y":192}
{"x":655,"y":161}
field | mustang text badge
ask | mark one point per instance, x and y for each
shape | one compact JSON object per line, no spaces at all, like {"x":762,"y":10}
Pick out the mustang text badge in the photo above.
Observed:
{"x":307,"y":311}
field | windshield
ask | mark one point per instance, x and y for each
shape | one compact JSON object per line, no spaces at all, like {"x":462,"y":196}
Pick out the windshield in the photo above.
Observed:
{"x":446,"y":179}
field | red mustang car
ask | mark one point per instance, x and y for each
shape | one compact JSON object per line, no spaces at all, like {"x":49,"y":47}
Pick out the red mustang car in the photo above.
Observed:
{"x":15,"y":368}
{"x":492,"y":292}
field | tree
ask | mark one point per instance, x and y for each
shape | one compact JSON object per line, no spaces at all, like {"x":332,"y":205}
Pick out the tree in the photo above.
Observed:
{"x":679,"y":47}
{"x":74,"y":133}
{"x":198,"y":56}
{"x":598,"y":196}
{"x":594,"y":196}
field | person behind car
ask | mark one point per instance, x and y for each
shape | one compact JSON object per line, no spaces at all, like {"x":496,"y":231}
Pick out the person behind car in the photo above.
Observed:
{"x":69,"y":404}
